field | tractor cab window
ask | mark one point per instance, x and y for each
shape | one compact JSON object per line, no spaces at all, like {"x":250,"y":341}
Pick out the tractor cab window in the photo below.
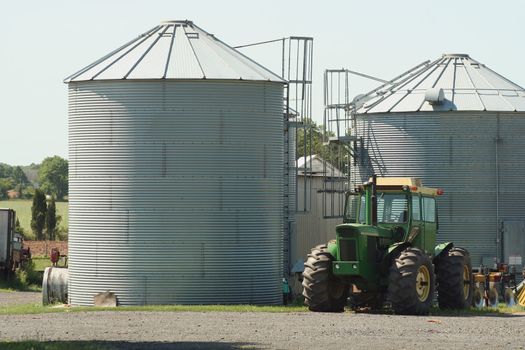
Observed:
{"x":429,"y":209}
{"x":362,"y":210}
{"x":352,"y":205}
{"x":392,"y":208}
{"x":416,"y":208}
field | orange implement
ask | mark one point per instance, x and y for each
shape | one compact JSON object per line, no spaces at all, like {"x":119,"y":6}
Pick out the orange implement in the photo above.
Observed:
{"x":521,"y":294}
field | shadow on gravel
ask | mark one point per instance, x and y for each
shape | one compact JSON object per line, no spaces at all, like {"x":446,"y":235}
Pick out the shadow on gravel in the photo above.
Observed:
{"x":121,"y":345}
{"x":476,"y":313}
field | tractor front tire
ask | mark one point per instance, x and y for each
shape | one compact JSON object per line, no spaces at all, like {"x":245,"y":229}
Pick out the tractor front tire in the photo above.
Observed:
{"x":322,"y":291}
{"x":455,"y":282}
{"x":411,"y":283}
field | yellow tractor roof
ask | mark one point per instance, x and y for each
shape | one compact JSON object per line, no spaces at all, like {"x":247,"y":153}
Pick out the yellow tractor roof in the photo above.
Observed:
{"x":398,"y":181}
{"x":414,"y":184}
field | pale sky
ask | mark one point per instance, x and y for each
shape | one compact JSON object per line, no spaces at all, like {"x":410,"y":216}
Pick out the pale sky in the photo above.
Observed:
{"x":45,"y":41}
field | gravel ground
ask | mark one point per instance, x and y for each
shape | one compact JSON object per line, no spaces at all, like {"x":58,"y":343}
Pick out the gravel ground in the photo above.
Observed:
{"x":258,"y":330}
{"x":12,"y":298}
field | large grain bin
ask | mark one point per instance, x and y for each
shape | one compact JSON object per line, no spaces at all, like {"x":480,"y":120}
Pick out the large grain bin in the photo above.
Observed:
{"x":459,"y":126}
{"x":176,"y":173}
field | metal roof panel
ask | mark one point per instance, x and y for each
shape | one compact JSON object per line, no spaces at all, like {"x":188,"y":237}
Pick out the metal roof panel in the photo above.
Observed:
{"x":496,"y":103}
{"x":183,"y":61}
{"x":517,"y":101}
{"x":387,"y":102}
{"x":462,"y":77}
{"x":175,"y":50}
{"x":468,"y":101}
{"x":125,"y":63}
{"x":149,"y":66}
{"x":467,"y":84}
{"x":406,"y":104}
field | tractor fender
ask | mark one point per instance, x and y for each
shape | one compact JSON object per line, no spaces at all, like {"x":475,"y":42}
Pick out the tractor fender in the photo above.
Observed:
{"x":441,"y":249}
{"x":393,"y":251}
{"x":396,"y":247}
{"x":332,"y":248}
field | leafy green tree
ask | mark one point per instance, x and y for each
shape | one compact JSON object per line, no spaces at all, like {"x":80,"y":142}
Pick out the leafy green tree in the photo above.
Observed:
{"x":6,"y":184}
{"x":6,"y":171}
{"x":38,"y":214}
{"x":12,"y":178}
{"x":51,"y":220}
{"x":53,"y":175}
{"x":19,"y":177}
{"x":311,"y":140}
{"x":28,"y":193}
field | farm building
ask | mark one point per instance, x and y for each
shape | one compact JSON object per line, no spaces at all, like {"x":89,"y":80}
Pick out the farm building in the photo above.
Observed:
{"x":459,"y":126}
{"x":13,"y":194}
{"x":313,"y":225}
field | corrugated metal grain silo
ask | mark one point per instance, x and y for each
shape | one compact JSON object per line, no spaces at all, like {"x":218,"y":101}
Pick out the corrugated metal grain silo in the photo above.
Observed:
{"x":459,"y":126}
{"x":176,"y":173}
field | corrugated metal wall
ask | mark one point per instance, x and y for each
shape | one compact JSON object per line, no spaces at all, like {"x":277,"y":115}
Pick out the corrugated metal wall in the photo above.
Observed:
{"x":477,"y":158}
{"x":312,"y":228}
{"x":176,"y":191}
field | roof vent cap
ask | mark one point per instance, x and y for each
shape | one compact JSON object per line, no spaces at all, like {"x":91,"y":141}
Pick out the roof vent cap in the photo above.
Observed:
{"x":435,"y":96}
{"x":455,"y":55}
{"x":178,"y":21}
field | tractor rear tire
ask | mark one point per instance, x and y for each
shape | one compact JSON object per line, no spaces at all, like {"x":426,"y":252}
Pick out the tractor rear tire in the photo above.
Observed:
{"x":322,"y":291}
{"x":411,"y":283}
{"x":455,"y":282}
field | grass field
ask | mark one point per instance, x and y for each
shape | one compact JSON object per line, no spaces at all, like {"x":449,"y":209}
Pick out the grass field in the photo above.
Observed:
{"x":41,"y":263}
{"x":22,"y":309}
{"x":23,"y":211}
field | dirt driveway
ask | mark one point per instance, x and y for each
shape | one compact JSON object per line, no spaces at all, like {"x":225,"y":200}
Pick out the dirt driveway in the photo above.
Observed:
{"x":258,"y":330}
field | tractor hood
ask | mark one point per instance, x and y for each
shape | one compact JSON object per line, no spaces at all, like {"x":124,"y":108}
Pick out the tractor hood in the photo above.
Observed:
{"x":354,"y":230}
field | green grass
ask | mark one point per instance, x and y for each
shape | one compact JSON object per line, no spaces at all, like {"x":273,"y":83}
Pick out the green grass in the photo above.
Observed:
{"x":27,"y":278}
{"x":41,"y":262}
{"x":40,"y":309}
{"x":23,"y":212}
{"x":9,"y":287}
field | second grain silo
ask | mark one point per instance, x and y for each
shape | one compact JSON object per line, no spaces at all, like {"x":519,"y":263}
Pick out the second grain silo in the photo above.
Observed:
{"x":176,"y":173}
{"x":459,"y":126}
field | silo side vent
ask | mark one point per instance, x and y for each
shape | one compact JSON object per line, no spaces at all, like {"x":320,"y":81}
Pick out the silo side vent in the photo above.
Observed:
{"x":435,"y":96}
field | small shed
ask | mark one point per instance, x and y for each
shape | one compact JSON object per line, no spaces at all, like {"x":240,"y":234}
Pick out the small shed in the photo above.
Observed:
{"x":313,"y":228}
{"x":13,"y":194}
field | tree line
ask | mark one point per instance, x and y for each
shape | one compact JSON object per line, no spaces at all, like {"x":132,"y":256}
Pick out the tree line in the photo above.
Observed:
{"x":311,"y":139}
{"x":44,"y":183}
{"x":51,"y":179}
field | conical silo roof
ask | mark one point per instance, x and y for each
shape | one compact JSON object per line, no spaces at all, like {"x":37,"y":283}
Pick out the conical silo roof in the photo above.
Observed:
{"x":454,"y":82}
{"x":174,"y":50}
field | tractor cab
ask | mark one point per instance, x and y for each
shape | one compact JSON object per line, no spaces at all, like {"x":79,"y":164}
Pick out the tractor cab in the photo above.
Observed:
{"x":400,"y":208}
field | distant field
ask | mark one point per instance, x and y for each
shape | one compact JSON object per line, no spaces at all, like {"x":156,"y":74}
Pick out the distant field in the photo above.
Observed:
{"x":23,"y":211}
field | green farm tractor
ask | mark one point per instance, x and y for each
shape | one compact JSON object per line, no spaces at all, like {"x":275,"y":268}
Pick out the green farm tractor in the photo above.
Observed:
{"x":385,"y":253}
